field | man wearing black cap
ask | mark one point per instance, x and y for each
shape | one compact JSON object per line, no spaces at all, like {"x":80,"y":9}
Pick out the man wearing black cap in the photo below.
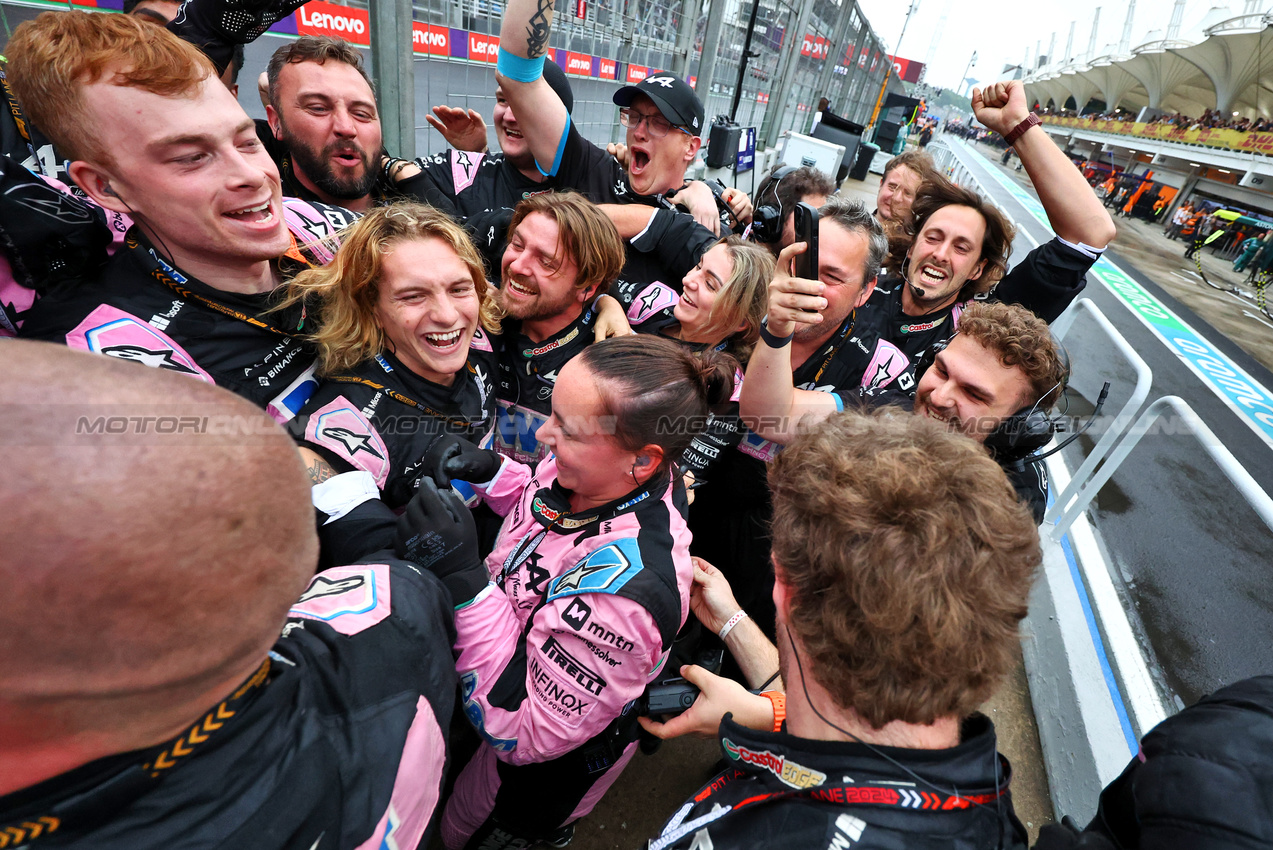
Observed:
{"x":664,"y":120}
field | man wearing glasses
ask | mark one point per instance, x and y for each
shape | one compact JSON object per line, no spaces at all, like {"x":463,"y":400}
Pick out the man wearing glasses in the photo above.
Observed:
{"x":664,"y":121}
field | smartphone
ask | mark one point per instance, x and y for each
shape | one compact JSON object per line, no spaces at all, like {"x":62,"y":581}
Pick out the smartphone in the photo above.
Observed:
{"x":806,"y":226}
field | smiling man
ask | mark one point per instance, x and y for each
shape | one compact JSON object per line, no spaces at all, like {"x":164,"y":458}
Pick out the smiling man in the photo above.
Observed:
{"x":958,"y":243}
{"x":901,"y":181}
{"x":151,"y":132}
{"x":562,"y":253}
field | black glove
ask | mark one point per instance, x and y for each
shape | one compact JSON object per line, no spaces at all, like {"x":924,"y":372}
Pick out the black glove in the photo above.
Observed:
{"x":437,"y":533}
{"x":450,"y":457}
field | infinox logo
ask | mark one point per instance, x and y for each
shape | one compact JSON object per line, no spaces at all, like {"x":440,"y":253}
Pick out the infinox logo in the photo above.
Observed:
{"x":795,"y":775}
{"x":338,"y":21}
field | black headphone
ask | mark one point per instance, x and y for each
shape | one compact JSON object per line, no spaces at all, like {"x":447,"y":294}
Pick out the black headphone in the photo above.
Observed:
{"x":767,"y":219}
{"x":1024,"y":432}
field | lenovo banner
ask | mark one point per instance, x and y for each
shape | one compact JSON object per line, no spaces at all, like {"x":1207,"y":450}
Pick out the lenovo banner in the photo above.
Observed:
{"x":319,"y":18}
{"x":435,"y":41}
{"x":907,"y":70}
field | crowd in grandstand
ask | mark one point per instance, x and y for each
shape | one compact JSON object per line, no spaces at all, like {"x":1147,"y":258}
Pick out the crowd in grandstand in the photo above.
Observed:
{"x":1209,"y":120}
{"x":449,"y":478}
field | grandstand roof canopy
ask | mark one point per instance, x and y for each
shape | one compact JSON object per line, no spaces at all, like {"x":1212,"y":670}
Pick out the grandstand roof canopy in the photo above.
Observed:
{"x":1225,"y":63}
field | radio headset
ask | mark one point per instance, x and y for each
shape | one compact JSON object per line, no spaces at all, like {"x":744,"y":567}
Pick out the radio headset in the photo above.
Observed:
{"x":1022,"y":434}
{"x":767,"y":219}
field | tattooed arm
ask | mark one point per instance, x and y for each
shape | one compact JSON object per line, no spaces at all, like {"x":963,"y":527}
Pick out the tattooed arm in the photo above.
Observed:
{"x":319,"y":469}
{"x":541,"y":116}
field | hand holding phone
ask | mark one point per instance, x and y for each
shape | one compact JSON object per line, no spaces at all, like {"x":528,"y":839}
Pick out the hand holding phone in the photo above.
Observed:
{"x":806,"y":227}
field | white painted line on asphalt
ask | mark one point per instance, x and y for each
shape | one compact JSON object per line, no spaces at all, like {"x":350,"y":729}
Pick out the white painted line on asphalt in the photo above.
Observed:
{"x":1188,"y":279}
{"x":1139,"y":689}
{"x":1257,"y":318}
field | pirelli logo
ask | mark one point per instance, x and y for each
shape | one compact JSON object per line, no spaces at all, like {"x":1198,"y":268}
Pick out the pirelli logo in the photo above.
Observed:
{"x":572,"y":667}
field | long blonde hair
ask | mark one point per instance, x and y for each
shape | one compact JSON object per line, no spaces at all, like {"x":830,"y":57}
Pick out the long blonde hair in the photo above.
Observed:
{"x":345,"y":291}
{"x":744,"y":299}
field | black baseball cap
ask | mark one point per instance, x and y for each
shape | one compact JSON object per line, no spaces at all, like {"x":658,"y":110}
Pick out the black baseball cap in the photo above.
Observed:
{"x":673,"y":96}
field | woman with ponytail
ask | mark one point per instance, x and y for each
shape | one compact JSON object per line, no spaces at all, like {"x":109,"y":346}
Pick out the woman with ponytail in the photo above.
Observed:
{"x":574,"y":612}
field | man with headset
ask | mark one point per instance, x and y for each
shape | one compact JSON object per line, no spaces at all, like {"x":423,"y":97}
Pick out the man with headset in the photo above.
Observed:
{"x":994,"y":381}
{"x":876,"y":742}
{"x":773,"y":221}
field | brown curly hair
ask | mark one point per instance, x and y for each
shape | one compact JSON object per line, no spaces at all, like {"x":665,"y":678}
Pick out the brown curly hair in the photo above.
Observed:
{"x":908,"y":559}
{"x":1022,"y":339}
{"x":937,"y":192}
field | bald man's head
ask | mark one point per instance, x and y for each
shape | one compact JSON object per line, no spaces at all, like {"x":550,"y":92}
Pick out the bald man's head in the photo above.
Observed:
{"x":155,"y":529}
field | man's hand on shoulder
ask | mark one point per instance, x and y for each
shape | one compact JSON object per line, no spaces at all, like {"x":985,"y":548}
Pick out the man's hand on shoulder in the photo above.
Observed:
{"x":701,"y":203}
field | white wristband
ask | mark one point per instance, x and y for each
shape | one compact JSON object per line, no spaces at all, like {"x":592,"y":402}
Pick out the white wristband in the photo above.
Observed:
{"x":729,"y":626}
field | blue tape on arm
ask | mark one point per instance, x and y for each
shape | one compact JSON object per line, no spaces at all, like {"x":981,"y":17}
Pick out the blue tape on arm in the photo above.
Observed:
{"x":561,"y":150}
{"x":839,"y":402}
{"x":516,"y":68}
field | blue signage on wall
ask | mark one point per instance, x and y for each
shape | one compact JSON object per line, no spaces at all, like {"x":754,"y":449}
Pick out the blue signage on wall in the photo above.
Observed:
{"x":747,"y":150}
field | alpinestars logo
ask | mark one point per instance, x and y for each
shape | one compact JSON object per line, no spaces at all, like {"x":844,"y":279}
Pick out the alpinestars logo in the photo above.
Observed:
{"x":323,"y":586}
{"x":352,"y":441}
{"x":795,"y":775}
{"x":162,"y":359}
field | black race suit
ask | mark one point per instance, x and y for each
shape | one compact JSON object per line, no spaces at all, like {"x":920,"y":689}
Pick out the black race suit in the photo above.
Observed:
{"x":381,"y":417}
{"x":1045,"y":283}
{"x":139,"y":308}
{"x":527,"y":374}
{"x":338,"y":740}
{"x":781,"y":791}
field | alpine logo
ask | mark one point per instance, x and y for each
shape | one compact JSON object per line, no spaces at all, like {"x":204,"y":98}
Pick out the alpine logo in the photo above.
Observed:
{"x":795,"y":775}
{"x":665,"y":82}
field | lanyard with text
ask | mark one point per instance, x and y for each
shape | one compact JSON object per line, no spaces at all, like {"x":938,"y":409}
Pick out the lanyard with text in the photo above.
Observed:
{"x":839,"y":795}
{"x":843,"y":334}
{"x":20,"y":120}
{"x":164,"y":273}
{"x":402,"y":398}
{"x":518,"y":556}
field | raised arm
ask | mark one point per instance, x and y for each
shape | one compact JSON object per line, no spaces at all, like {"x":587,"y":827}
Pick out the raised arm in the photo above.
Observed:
{"x":770,"y":405}
{"x":523,"y":45}
{"x":1074,"y":211}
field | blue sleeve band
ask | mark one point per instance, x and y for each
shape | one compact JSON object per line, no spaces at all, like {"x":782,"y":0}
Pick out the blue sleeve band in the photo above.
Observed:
{"x":839,"y":402}
{"x":516,"y":68}
{"x":561,"y":150}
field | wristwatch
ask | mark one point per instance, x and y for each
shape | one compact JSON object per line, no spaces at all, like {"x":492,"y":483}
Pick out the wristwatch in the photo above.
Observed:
{"x":1016,"y":132}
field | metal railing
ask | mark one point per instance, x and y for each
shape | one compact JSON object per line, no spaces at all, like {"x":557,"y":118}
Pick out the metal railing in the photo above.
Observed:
{"x":1243,"y":483}
{"x":1121,"y":422}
